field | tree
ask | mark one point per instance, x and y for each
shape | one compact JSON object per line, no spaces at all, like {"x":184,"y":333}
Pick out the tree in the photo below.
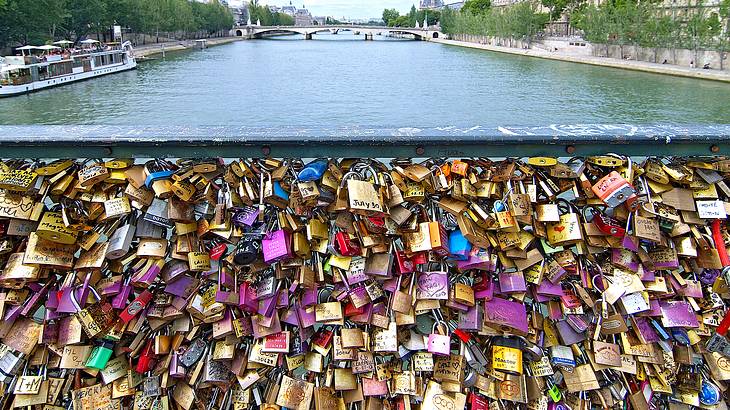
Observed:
{"x":476,"y":6}
{"x":724,"y":39}
{"x":389,"y":16}
{"x":412,"y":15}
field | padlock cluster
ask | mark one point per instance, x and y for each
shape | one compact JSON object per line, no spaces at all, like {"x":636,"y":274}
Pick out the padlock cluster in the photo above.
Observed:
{"x":532,"y":283}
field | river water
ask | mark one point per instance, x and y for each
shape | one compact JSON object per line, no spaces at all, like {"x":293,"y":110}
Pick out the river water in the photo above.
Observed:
{"x":341,"y":80}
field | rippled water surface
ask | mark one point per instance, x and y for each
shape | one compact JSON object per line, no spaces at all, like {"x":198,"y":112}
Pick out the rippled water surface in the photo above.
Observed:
{"x":343,"y":80}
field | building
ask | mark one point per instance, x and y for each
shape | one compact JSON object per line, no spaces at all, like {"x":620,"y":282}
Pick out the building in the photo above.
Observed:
{"x":240,"y":14}
{"x":290,"y":9}
{"x":455,"y":6}
{"x":431,"y":4}
{"x":320,"y":20}
{"x":302,"y":17}
{"x":274,"y":9}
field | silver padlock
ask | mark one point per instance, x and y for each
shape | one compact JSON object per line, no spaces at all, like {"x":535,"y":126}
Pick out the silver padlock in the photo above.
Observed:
{"x":146,"y":229}
{"x":157,"y":213}
{"x":10,"y":363}
{"x":121,"y":240}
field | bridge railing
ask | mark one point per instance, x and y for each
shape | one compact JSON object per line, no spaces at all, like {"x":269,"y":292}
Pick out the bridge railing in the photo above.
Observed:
{"x":92,"y":141}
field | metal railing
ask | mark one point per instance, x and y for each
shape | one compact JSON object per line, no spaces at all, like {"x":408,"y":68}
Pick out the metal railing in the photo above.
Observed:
{"x":90,"y":141}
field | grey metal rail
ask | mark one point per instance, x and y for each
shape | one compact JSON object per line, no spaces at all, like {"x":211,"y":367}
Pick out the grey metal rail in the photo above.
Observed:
{"x":91,"y":141}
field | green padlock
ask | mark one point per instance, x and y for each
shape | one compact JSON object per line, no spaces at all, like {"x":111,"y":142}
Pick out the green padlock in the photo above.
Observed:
{"x":100,"y":355}
{"x":553,"y":391}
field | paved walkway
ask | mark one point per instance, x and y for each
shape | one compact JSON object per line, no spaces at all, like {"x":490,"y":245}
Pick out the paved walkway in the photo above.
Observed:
{"x":715,"y":75}
{"x":156,"y":48}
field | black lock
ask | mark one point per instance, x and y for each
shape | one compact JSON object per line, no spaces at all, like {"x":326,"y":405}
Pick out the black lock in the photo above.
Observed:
{"x":247,"y":250}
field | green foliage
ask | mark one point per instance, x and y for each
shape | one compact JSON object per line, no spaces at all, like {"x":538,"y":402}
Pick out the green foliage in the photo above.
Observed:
{"x":43,"y":21}
{"x":267,"y":18}
{"x":641,"y":23}
{"x":390,"y":16}
{"x":332,"y":21}
{"x":476,"y":6}
{"x":519,"y":21}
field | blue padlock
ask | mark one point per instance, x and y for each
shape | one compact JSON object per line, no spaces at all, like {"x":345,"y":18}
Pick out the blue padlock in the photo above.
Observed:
{"x":279,"y":191}
{"x":709,"y":394}
{"x":459,"y":246}
{"x":313,"y":171}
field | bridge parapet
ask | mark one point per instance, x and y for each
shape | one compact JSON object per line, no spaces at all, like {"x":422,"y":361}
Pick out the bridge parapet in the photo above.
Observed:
{"x":555,"y":140}
{"x":307,"y":31}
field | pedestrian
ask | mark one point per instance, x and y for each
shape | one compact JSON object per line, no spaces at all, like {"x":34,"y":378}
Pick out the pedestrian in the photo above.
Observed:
{"x":692,"y":64}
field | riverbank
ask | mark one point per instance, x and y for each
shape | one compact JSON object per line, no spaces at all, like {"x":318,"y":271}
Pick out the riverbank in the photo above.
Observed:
{"x":713,"y":75}
{"x":148,"y":50}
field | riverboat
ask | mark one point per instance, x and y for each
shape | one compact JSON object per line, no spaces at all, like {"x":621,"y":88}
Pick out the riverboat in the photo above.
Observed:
{"x":27,"y":73}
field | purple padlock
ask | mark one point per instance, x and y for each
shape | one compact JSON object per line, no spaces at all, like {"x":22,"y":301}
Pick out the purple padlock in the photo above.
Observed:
{"x":245,"y":216}
{"x":678,"y":313}
{"x":471,"y":319}
{"x":512,"y":282}
{"x":506,"y":316}
{"x":277,"y":246}
{"x":182,"y":286}
{"x":433,"y":285}
{"x":247,"y":297}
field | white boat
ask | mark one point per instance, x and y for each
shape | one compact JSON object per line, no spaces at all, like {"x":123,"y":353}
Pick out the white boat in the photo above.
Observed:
{"x":28,"y":73}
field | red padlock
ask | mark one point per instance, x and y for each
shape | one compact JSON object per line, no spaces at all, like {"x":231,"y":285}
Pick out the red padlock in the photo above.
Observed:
{"x":218,"y":251}
{"x":351,"y":310}
{"x":323,"y":337}
{"x":147,"y":359}
{"x":608,"y":225}
{"x":137,"y":305}
{"x":404,"y":262}
{"x":346,"y":246}
{"x":478,"y":402}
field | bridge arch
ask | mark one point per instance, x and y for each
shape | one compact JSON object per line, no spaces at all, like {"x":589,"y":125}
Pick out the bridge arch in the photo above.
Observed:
{"x":239,"y":33}
{"x":260,"y":33}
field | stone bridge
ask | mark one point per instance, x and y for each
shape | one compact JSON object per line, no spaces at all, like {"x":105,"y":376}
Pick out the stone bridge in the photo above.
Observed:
{"x":307,"y":31}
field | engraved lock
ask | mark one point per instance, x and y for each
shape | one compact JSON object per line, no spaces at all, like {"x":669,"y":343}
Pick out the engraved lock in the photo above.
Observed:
{"x":507,"y":355}
{"x":613,"y":189}
{"x":363,"y":197}
{"x":463,"y":292}
{"x":189,"y":356}
{"x":157,"y":214}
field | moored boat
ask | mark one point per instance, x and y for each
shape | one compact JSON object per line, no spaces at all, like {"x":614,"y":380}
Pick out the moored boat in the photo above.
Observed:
{"x":27,"y":73}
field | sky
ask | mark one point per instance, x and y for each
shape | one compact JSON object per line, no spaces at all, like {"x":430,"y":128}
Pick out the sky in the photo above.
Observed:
{"x":358,"y":9}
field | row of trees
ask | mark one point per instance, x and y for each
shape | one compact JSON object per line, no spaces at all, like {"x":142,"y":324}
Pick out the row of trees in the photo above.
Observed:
{"x":42,"y":21}
{"x":263,"y":14}
{"x":393,"y":18}
{"x":520,"y":21}
{"x":642,"y":23}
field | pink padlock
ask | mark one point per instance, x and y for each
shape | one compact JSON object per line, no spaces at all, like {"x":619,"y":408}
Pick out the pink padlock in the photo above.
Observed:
{"x":439,"y":344}
{"x":277,"y":246}
{"x":247,"y":297}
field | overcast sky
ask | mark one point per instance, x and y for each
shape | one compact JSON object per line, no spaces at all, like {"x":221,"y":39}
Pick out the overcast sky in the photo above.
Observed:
{"x":347,"y":8}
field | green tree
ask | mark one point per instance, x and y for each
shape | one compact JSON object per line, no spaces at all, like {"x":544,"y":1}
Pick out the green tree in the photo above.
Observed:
{"x":35,"y":22}
{"x":724,"y":38}
{"x":476,"y":6}
{"x":389,"y":16}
